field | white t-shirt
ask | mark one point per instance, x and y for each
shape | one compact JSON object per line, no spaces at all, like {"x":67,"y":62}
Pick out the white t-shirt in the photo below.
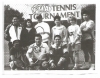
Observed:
{"x":74,"y":31}
{"x":28,"y":29}
{"x":61,"y":30}
{"x":43,"y":27}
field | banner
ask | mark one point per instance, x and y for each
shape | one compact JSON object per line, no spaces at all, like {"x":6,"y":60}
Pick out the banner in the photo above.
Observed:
{"x":48,"y":11}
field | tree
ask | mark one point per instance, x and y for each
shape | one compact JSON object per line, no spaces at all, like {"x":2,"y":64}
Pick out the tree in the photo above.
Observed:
{"x":9,"y":13}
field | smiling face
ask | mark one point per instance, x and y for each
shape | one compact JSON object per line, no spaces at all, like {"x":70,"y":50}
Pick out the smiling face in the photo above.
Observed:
{"x":28,"y":24}
{"x":85,"y":17}
{"x":38,"y":40}
{"x":17,"y":45}
{"x":57,"y":22}
{"x":57,"y":40}
{"x":15,"y":20}
{"x":72,"y":22}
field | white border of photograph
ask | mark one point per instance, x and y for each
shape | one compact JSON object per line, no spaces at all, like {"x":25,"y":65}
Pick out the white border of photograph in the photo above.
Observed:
{"x":51,"y":72}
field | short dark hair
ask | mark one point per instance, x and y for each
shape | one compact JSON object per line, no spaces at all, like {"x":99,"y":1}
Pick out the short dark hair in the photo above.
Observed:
{"x":57,"y":36}
{"x":38,"y":35}
{"x":16,"y":41}
{"x":85,"y":12}
{"x":15,"y":16}
{"x":39,"y":16}
{"x":57,"y":17}
{"x":72,"y":18}
{"x":27,"y":21}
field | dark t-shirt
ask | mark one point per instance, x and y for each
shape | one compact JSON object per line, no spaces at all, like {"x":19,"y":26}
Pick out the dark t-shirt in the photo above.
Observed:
{"x":27,"y":38}
{"x":17,"y":53}
{"x":57,"y":53}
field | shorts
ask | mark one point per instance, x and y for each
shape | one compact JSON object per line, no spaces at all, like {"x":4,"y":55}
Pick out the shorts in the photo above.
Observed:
{"x":87,"y":45}
{"x":76,"y":47}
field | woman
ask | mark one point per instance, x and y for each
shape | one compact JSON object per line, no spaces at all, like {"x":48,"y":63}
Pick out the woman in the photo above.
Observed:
{"x":74,"y":41}
{"x":59,"y":29}
{"x":28,"y":34}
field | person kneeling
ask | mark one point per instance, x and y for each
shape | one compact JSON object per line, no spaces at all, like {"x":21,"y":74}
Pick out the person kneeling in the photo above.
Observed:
{"x":37,"y":54}
{"x":59,"y":58}
{"x":16,"y":53}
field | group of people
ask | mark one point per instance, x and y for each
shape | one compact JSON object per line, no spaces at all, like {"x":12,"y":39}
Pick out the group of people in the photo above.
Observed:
{"x":39,"y":48}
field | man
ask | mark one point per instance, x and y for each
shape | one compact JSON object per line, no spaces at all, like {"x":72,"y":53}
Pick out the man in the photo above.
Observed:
{"x":42,"y":28}
{"x":37,"y":54}
{"x":87,"y":28}
{"x":59,"y":29}
{"x":16,"y":55}
{"x":59,"y":58}
{"x":13,"y":31}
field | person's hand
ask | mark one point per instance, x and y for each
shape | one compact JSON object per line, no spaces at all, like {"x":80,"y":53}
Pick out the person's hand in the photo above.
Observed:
{"x":73,"y":43}
{"x":53,"y":65}
{"x":62,"y":59}
{"x":82,"y":27}
{"x":51,"y":52}
{"x":25,"y":48}
{"x":31,"y":63}
{"x":45,"y":64}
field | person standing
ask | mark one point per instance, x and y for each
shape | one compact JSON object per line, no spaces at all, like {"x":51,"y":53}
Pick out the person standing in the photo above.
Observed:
{"x":59,"y":29}
{"x":87,"y":28}
{"x":13,"y":31}
{"x":74,"y":41}
{"x":28,"y":34}
{"x":43,"y":29}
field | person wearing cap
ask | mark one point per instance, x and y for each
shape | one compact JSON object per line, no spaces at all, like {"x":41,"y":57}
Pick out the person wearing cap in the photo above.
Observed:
{"x":13,"y":31}
{"x":42,"y":28}
{"x":87,"y":28}
{"x":59,"y":55}
{"x":37,"y":54}
{"x":16,"y":53}
{"x":59,"y":29}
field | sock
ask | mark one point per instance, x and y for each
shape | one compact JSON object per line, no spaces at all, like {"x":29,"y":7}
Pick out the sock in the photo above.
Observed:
{"x":92,"y":65}
{"x":75,"y":65}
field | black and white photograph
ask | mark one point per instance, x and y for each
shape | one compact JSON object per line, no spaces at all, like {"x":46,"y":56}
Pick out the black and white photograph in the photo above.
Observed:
{"x":49,"y":37}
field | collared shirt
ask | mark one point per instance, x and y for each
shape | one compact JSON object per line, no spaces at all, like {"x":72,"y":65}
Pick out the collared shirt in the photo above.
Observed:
{"x":90,"y":33}
{"x":37,"y":52}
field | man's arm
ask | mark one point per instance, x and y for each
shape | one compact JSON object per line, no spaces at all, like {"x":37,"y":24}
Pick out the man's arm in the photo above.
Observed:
{"x":6,"y":33}
{"x":90,"y":26}
{"x":29,"y":55}
{"x":12,"y":57}
{"x":51,"y":60}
